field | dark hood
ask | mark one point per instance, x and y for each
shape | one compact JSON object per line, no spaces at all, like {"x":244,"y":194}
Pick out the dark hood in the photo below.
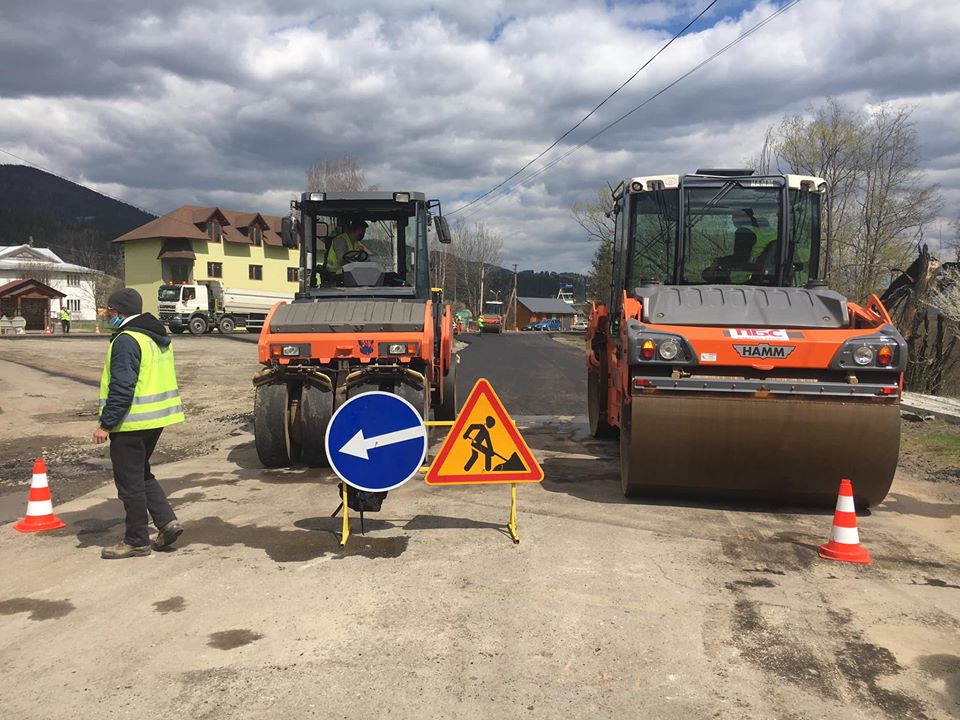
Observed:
{"x":150,"y":326}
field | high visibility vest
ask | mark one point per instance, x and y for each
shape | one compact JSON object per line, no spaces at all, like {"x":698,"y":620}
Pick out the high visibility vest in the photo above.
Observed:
{"x":64,"y":314}
{"x":156,"y":399}
{"x":333,"y":265}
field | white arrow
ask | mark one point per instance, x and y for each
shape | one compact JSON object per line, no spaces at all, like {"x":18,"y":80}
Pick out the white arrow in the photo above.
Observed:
{"x":358,"y":445}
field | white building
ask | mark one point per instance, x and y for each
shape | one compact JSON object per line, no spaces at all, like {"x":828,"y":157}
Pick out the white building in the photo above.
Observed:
{"x":20,"y":262}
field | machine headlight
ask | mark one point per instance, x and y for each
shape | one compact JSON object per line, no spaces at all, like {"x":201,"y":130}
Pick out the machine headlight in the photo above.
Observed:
{"x":291,"y":351}
{"x":397,"y":349}
{"x":402,"y":197}
{"x":669,"y":349}
{"x":318,"y":196}
{"x":863,"y":355}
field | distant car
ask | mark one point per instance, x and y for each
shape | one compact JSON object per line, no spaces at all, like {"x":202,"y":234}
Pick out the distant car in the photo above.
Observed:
{"x":551,"y":325}
{"x":579,"y":326}
{"x":531,"y":326}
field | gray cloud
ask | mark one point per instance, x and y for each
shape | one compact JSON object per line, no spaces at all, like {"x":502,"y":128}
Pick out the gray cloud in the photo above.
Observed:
{"x":230,"y":101}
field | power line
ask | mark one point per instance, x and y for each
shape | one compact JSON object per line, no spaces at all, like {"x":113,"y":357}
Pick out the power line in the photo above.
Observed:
{"x":650,"y":99}
{"x":51,"y":172}
{"x":589,"y":114}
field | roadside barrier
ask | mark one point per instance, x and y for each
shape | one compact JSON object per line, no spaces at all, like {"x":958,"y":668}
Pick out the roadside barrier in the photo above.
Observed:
{"x":39,"y":505}
{"x":844,"y":544}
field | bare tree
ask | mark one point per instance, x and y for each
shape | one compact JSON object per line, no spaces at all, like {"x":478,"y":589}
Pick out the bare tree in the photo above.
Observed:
{"x":478,"y":248}
{"x":893,"y":204}
{"x":596,"y":217}
{"x":35,"y":270}
{"x":343,"y":175}
{"x":877,"y":204}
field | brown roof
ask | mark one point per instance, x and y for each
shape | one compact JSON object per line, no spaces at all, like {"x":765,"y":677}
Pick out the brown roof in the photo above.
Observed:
{"x":22,"y":287}
{"x":189,"y":221}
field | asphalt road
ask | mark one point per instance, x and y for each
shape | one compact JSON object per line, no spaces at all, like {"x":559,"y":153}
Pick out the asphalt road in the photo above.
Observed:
{"x":533,"y":373}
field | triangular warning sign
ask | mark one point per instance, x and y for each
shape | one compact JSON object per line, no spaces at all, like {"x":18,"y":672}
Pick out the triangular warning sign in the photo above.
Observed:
{"x":484,"y":446}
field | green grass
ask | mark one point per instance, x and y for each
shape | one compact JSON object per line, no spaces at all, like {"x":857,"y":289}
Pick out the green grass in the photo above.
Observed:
{"x":937,"y":439}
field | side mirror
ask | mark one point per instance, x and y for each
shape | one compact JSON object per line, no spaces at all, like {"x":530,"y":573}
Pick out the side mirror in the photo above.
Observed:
{"x":288,"y":232}
{"x":443,"y":229}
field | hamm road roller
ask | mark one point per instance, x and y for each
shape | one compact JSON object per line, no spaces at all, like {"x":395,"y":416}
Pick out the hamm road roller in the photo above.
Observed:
{"x":364,"y":318}
{"x":722,"y":359}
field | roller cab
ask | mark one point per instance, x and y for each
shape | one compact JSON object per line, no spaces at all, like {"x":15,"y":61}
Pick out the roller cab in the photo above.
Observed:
{"x":723,"y":361}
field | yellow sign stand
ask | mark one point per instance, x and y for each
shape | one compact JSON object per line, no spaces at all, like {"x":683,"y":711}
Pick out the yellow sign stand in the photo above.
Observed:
{"x":484,"y":447}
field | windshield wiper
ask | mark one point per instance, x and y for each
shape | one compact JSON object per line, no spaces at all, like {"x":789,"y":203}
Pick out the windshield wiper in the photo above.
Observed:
{"x":721,"y":193}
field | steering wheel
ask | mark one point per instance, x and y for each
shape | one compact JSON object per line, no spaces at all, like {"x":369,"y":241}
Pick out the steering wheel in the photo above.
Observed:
{"x":355,"y":256}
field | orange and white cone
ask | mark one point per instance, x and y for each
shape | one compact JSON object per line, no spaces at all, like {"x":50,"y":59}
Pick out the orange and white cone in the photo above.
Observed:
{"x":96,"y":329}
{"x":844,"y":542}
{"x":47,"y":330}
{"x":39,"y":505}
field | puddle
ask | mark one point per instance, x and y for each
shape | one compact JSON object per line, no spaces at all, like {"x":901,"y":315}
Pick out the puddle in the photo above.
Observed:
{"x":171,"y":605}
{"x":38,"y":609}
{"x":231,"y":639}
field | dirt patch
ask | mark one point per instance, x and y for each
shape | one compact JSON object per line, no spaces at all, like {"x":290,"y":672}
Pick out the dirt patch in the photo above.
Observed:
{"x":217,"y":405}
{"x":931,"y":450}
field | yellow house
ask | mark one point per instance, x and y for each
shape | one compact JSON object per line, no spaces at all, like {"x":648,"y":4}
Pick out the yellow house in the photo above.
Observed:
{"x":191,"y":243}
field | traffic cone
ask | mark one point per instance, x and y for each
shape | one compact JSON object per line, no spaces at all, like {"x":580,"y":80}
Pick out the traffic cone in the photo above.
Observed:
{"x":844,"y":542}
{"x":96,"y":328}
{"x":39,"y":506}
{"x":47,"y":330}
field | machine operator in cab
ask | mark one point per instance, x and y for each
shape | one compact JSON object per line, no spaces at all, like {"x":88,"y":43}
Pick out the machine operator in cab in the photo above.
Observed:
{"x":350,"y":240}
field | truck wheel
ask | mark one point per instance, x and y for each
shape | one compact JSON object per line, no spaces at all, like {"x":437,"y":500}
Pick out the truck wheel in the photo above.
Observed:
{"x":447,"y":410}
{"x":271,"y":425}
{"x":227,"y":325}
{"x":198,"y":326}
{"x":316,"y":409}
{"x":176,"y":329}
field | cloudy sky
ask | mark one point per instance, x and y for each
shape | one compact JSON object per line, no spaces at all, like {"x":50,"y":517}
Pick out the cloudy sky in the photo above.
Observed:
{"x":227,"y":102}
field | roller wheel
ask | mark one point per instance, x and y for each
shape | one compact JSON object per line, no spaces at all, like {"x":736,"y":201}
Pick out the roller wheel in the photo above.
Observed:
{"x":227,"y":325}
{"x":596,"y":397}
{"x":198,"y":326}
{"x":419,"y":397}
{"x":316,"y":409}
{"x":627,"y":484}
{"x":271,"y":425}
{"x":447,"y":410}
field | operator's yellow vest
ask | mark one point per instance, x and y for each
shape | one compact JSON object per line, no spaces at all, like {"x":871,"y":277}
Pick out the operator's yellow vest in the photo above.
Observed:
{"x":334,"y":264}
{"x":156,"y":399}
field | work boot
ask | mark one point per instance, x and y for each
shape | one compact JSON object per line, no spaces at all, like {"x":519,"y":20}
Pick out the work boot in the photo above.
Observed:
{"x":121,"y":551}
{"x":168,"y":534}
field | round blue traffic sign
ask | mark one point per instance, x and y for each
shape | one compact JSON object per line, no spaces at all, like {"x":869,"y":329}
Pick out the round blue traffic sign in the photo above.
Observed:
{"x":376,"y":441}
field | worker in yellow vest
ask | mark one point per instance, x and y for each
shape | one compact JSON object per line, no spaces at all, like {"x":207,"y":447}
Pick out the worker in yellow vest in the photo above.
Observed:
{"x":65,"y":320}
{"x":349,"y":241}
{"x":138,"y":398}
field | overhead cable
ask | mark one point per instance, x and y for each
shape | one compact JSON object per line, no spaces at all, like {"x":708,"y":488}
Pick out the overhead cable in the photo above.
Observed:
{"x":589,"y":114}
{"x":660,"y":92}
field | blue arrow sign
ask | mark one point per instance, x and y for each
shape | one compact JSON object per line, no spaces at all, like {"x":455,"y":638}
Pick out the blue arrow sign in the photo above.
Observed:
{"x":376,"y":441}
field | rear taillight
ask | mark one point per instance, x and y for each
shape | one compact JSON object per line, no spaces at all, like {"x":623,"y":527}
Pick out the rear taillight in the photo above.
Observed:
{"x":884,"y":356}
{"x":647,"y":350}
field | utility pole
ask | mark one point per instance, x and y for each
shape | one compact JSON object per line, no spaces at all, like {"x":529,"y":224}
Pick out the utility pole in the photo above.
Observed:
{"x":483,"y":268}
{"x":515,"y":297}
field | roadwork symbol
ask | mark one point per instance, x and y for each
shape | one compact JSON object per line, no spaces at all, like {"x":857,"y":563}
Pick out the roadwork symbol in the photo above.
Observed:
{"x":484,"y":446}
